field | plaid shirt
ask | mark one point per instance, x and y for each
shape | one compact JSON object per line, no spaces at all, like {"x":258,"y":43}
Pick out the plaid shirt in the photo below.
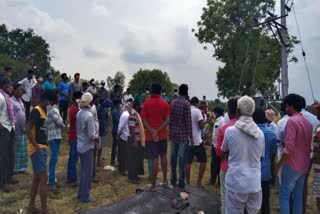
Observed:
{"x":180,"y":120}
{"x":54,"y":122}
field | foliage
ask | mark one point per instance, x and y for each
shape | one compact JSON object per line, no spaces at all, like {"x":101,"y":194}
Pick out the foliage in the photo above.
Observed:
{"x":216,"y":103}
{"x":18,"y":68}
{"x":119,"y":79}
{"x":19,"y":47}
{"x":251,"y":55}
{"x":145,"y":77}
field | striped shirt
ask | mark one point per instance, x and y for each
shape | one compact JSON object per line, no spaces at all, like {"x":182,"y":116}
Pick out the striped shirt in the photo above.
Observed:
{"x":133,"y":123}
{"x":55,"y":122}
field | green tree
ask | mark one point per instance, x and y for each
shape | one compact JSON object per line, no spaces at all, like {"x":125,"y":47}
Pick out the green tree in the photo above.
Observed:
{"x":250,"y":54}
{"x":24,"y":47}
{"x":118,"y":79}
{"x":145,"y":77}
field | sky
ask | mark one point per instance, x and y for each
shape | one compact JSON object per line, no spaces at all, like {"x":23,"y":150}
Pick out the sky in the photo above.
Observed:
{"x":97,"y":38}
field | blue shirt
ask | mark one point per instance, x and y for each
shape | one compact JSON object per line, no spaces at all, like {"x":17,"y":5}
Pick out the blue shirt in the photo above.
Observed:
{"x":63,"y":88}
{"x":48,"y":86}
{"x":270,"y":150}
{"x":115,"y":119}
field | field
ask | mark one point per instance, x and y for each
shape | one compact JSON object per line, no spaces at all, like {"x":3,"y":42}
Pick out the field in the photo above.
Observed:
{"x":111,"y":188}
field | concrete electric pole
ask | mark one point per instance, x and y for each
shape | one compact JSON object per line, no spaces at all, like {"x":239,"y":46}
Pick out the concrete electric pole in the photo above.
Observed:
{"x":284,"y":53}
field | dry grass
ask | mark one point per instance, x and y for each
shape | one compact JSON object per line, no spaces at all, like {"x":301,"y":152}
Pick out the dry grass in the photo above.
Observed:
{"x":112,"y":188}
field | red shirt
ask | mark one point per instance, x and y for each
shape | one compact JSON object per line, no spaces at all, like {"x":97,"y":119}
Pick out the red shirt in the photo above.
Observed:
{"x":154,"y":112}
{"x":222,"y":130}
{"x":72,"y":117}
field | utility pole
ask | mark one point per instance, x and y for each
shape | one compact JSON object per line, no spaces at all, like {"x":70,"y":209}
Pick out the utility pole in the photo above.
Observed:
{"x":284,"y":53}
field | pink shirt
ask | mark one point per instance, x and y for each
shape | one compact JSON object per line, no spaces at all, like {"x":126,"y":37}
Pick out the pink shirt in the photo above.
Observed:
{"x":219,"y":152}
{"x":298,"y":138}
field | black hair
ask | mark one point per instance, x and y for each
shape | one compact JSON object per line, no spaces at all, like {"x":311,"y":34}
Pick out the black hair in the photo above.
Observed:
{"x":7,"y":68}
{"x":52,"y":96}
{"x":156,"y":88}
{"x":84,"y":84}
{"x":48,"y":74}
{"x":91,"y":81}
{"x":38,"y":76}
{"x":5,"y":81}
{"x":303,"y":102}
{"x":76,"y":74}
{"x":293,"y":100}
{"x":16,"y":85}
{"x":183,"y":90}
{"x":219,"y":111}
{"x":163,"y":91}
{"x":259,"y":116}
{"x":116,"y":102}
{"x":76,"y":95}
{"x":63,"y":75}
{"x":175,"y":90}
{"x":232,"y":106}
{"x":129,"y":100}
{"x":128,"y":89}
{"x":30,"y":71}
{"x":194,"y":100}
{"x":136,"y":103}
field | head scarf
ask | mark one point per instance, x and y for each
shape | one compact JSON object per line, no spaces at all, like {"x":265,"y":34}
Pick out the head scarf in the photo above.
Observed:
{"x":86,"y":99}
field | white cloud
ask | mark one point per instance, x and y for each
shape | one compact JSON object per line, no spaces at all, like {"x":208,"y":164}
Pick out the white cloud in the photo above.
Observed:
{"x":99,"y":9}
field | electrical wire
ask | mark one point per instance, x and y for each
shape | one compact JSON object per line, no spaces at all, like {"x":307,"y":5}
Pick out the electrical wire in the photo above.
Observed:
{"x":303,"y":52}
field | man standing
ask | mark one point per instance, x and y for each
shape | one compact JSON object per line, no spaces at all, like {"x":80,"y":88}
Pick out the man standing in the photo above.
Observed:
{"x":197,"y":148}
{"x":102,"y":93}
{"x":86,"y":139}
{"x":36,"y":91}
{"x":180,"y":134}
{"x":37,"y":148}
{"x":215,"y":159}
{"x":72,"y":134}
{"x":21,"y":145}
{"x":270,"y":141}
{"x":244,"y":142}
{"x":64,"y":96}
{"x":49,"y":84}
{"x":27,"y":84}
{"x":55,"y":123}
{"x":92,"y":88}
{"x":122,"y":135}
{"x":156,"y":117}
{"x":127,"y":96}
{"x":76,"y":85}
{"x":232,"y":112}
{"x":116,"y":113}
{"x":7,"y":139}
{"x":296,"y":157}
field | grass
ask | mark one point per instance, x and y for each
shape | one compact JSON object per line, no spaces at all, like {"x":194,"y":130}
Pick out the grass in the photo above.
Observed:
{"x":112,"y":188}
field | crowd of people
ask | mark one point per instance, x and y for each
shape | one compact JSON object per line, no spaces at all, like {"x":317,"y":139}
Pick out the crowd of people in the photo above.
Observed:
{"x":249,"y":150}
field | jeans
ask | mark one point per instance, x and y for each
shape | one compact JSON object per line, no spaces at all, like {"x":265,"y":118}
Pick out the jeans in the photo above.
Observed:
{"x":86,"y":171}
{"x":27,"y":108}
{"x":265,"y":207}
{"x":114,"y":151}
{"x":63,"y":108}
{"x":72,"y":162}
{"x":178,"y":150}
{"x":215,"y":167}
{"x":223,"y":191}
{"x":54,"y":152}
{"x":291,"y":182}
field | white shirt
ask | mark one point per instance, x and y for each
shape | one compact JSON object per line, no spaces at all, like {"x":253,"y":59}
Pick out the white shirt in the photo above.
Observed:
{"x":281,"y":128}
{"x":226,"y":117}
{"x":311,"y":118}
{"x":245,"y":153}
{"x":219,"y":122}
{"x":126,"y":97}
{"x":96,"y":121}
{"x":27,"y":86}
{"x":123,"y":127}
{"x":4,"y":118}
{"x":196,"y":116}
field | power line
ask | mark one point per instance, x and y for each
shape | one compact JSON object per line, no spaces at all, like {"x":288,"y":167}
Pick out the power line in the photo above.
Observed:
{"x":303,"y":52}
